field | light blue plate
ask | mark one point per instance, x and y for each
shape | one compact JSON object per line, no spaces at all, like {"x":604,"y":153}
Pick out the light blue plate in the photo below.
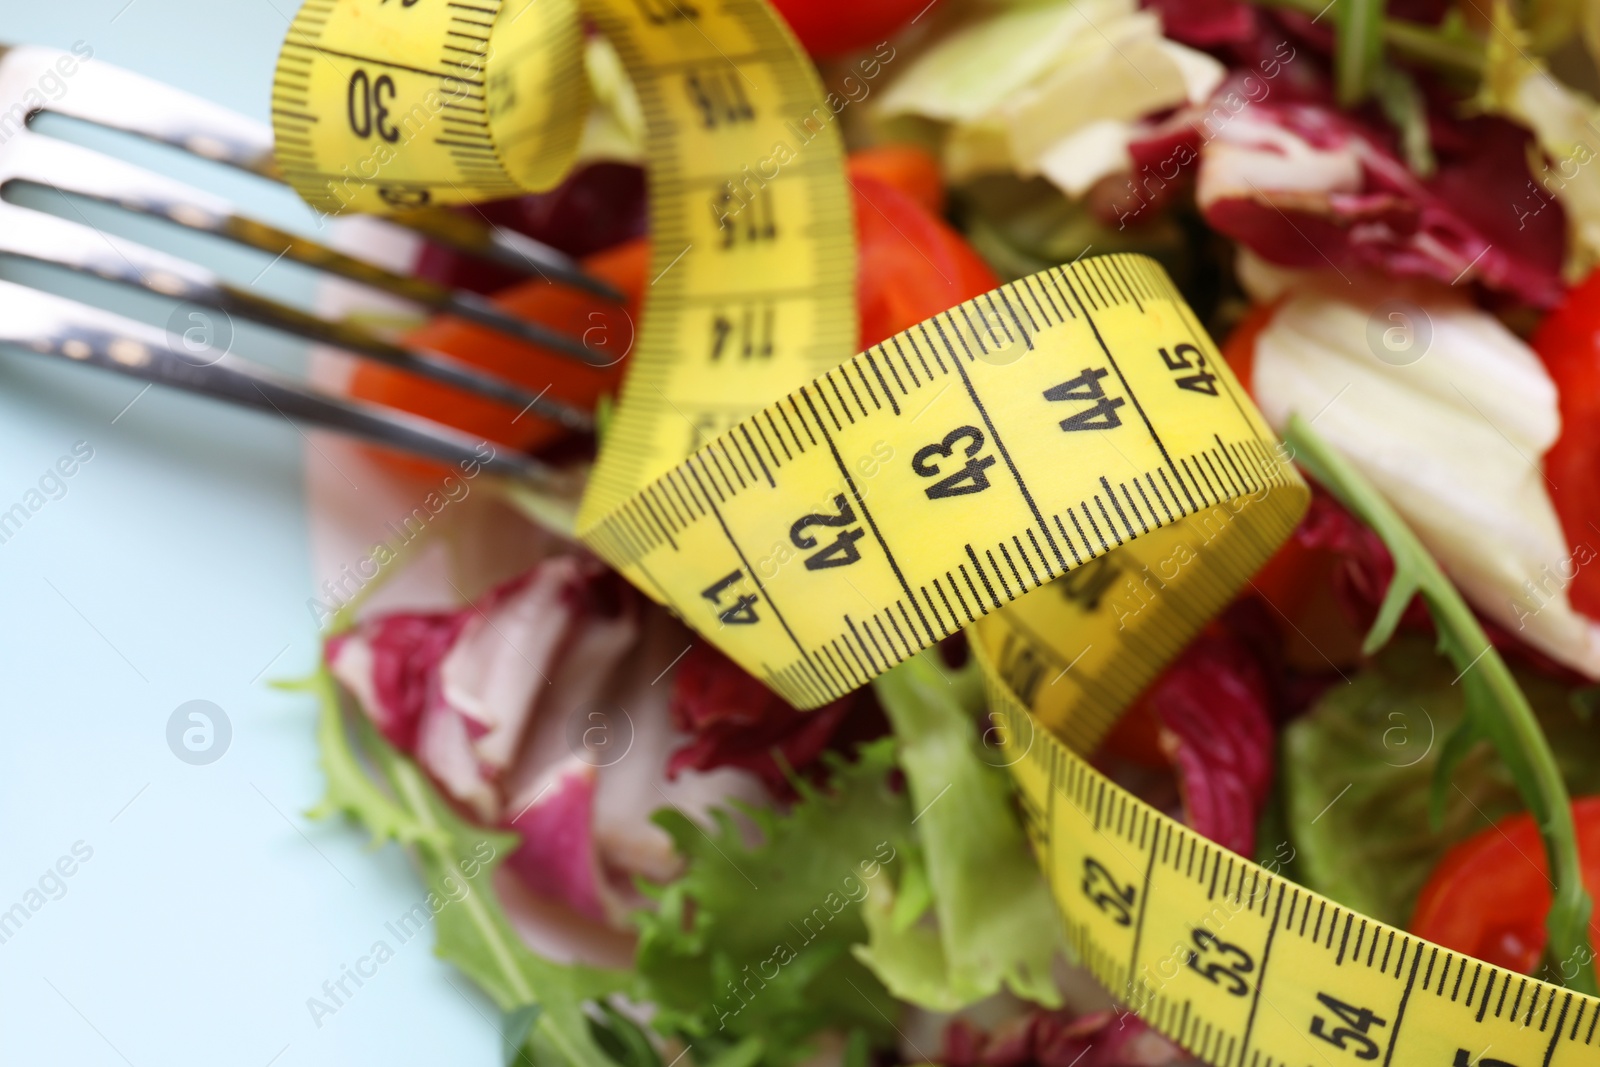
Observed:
{"x":203,"y":909}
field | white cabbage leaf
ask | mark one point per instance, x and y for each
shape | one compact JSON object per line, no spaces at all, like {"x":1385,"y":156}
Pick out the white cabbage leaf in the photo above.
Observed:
{"x":1451,"y":424}
{"x":1055,"y":88}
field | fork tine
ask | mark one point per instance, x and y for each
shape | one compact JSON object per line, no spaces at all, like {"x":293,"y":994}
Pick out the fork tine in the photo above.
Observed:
{"x":51,"y":325}
{"x":71,"y":168}
{"x":504,"y":247}
{"x":77,"y":247}
{"x":118,"y":99}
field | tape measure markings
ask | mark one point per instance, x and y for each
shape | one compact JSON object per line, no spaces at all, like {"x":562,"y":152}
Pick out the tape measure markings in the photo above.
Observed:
{"x":1122,"y":855}
{"x":807,"y":240}
{"x":389,"y":93}
{"x":1111,"y":357}
{"x":859,"y":392}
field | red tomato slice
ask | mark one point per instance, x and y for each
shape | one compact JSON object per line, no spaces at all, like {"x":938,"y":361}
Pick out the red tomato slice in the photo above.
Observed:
{"x":1292,"y":577}
{"x":830,"y":29}
{"x":912,"y":170}
{"x":911,"y":263}
{"x":1239,"y":350}
{"x":1489,"y":895}
{"x":1568,"y":341}
{"x":604,"y":327}
{"x":1136,"y":738}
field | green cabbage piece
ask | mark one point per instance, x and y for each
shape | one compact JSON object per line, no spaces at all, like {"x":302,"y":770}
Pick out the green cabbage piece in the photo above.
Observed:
{"x":995,"y":53}
{"x":969,"y":914}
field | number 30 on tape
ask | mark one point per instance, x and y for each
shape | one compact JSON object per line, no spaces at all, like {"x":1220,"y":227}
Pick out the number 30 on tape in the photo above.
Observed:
{"x":1063,"y":467}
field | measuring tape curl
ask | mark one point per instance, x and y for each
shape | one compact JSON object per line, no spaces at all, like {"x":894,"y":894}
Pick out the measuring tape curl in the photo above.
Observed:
{"x":1075,"y":430}
{"x":389,"y":105}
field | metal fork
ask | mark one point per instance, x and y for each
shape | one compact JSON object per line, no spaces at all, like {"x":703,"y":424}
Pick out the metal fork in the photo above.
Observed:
{"x":120,"y":100}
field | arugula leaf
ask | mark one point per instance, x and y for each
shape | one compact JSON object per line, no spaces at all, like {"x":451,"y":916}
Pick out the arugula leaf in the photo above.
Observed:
{"x":1358,"y":50}
{"x":516,"y":1033}
{"x":1356,"y":767}
{"x":1397,"y":93}
{"x":997,"y":926}
{"x":748,"y":953}
{"x":1496,"y":708}
{"x":1449,"y":47}
{"x":458,"y":861}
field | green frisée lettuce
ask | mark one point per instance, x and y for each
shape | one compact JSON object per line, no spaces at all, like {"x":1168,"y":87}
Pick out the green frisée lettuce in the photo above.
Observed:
{"x":993,"y":925}
{"x":858,"y":892}
{"x":747,"y":955}
{"x":1356,"y":773}
{"x":457,"y":860}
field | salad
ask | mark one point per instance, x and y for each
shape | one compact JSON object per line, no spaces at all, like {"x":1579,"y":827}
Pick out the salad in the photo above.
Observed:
{"x":645,"y":857}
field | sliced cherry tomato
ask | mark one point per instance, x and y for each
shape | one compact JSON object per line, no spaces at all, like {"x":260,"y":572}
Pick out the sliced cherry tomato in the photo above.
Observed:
{"x":1289,"y":578}
{"x":911,"y":264}
{"x":1568,"y":341}
{"x":829,"y":29}
{"x":1298,"y":581}
{"x":1490,"y":894}
{"x":1284,"y":579}
{"x":604,"y":327}
{"x":1240,"y":348}
{"x":912,"y":170}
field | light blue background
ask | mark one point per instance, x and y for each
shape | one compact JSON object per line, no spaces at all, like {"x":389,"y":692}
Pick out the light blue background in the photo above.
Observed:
{"x":176,"y":567}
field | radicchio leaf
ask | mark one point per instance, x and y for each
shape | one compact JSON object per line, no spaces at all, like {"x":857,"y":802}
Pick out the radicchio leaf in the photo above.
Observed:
{"x":735,"y":721}
{"x":1303,"y":185}
{"x":557,"y":857}
{"x":1205,"y":23}
{"x":1060,"y":1039}
{"x":1213,"y":705}
{"x":458,"y":689}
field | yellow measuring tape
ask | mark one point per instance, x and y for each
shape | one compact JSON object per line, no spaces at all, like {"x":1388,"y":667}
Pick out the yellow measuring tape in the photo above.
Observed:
{"x":380,"y":105}
{"x":1075,"y":430}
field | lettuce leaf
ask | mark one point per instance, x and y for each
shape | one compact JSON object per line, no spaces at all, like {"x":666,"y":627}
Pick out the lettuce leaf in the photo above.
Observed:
{"x":1047,"y":87}
{"x":1357,"y":772}
{"x":996,"y":926}
{"x":458,"y":861}
{"x":747,"y":955}
{"x":981,"y":62}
